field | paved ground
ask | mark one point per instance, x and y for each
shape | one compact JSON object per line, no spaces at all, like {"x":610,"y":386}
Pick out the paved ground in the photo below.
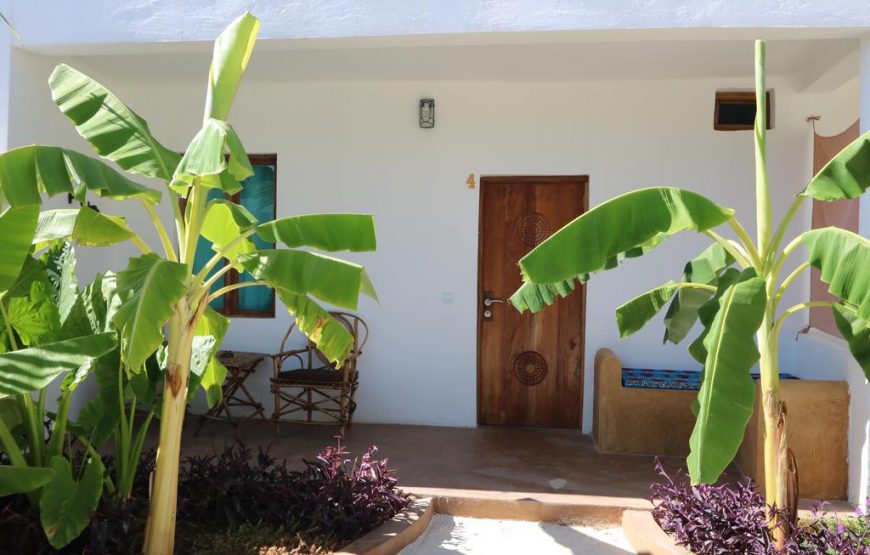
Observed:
{"x":474,"y":536}
{"x":534,"y":460}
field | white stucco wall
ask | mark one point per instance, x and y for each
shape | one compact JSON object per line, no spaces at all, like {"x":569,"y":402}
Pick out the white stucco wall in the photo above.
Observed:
{"x":45,"y":23}
{"x":355,"y":146}
{"x":822,"y":356}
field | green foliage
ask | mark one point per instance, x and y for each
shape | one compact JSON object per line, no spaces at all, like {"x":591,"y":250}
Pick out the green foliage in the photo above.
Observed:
{"x":66,"y":504}
{"x":683,"y":310}
{"x":633,"y":315}
{"x":83,"y":226}
{"x":214,"y":159}
{"x":707,"y":313}
{"x":65,"y":331}
{"x":17,"y":226}
{"x":327,"y":232}
{"x":856,"y":332}
{"x":31,"y":369}
{"x":331,"y":337}
{"x":232,"y":50}
{"x":846,"y":176}
{"x":727,"y":394}
{"x":22,"y":479}
{"x":224,"y":222}
{"x":59,"y":264}
{"x":739,"y":322}
{"x":212,"y":326}
{"x":33,"y":316}
{"x":150,"y":287}
{"x":624,"y":227}
{"x":28,"y":172}
{"x":329,"y":279}
{"x":115,"y":131}
{"x":535,"y":296}
{"x":843,"y":259}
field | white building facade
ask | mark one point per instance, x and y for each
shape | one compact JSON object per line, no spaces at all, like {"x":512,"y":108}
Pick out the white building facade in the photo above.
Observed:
{"x":621,"y":92}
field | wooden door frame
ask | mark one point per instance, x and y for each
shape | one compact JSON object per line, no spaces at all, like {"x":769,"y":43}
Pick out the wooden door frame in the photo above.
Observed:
{"x":583,"y":181}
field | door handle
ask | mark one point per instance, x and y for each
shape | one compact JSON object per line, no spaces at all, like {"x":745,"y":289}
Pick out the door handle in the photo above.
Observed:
{"x":488,"y":301}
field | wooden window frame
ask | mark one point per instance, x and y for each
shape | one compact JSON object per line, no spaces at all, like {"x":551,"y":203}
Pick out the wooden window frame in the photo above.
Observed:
{"x":739,"y":96}
{"x":231,"y":308}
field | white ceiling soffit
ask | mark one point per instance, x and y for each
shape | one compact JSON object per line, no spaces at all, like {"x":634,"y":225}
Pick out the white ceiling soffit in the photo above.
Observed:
{"x":459,"y":39}
{"x":70,"y":22}
{"x":809,"y":62}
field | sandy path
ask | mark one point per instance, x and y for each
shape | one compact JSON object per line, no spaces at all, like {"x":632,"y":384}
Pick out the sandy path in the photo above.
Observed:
{"x":475,"y":536}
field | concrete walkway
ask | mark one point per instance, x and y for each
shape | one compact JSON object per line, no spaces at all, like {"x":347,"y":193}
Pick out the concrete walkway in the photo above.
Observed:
{"x":489,"y":458}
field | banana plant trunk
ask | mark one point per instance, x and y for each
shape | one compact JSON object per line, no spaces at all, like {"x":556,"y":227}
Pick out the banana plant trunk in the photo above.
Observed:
{"x":160,"y":533}
{"x":776,"y":470}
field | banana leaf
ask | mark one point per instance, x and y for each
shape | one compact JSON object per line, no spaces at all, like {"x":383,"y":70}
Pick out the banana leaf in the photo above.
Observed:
{"x":727,"y":393}
{"x":330,"y":336}
{"x":224,"y":222}
{"x":83,"y":226}
{"x":31,"y":369}
{"x":327,"y":232}
{"x":151,"y":286}
{"x":843,"y":260}
{"x":845,"y":176}
{"x":856,"y":332}
{"x":632,"y":316}
{"x":535,"y":296}
{"x":115,"y":131}
{"x":209,"y":372}
{"x":30,"y":171}
{"x":214,"y":159}
{"x":17,"y":226}
{"x":232,"y":50}
{"x":301,"y":272}
{"x":683,"y":310}
{"x":623,"y":227}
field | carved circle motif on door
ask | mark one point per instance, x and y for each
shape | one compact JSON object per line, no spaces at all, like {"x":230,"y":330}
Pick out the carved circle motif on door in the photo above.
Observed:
{"x":530,"y":368}
{"x":533,"y":228}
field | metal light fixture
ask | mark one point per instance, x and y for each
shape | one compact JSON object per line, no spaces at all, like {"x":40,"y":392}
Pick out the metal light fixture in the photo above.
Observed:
{"x":70,"y":198}
{"x":427,"y":113}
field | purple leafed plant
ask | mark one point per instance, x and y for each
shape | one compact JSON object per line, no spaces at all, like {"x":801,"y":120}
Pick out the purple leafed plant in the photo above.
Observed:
{"x":348,"y":497}
{"x":334,"y":496}
{"x":231,"y":497}
{"x":711,"y":520}
{"x":828,"y":535}
{"x":732,"y":518}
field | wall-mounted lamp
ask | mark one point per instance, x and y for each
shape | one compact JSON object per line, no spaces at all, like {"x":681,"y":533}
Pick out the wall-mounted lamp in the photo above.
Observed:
{"x":427,"y":113}
{"x":70,"y":198}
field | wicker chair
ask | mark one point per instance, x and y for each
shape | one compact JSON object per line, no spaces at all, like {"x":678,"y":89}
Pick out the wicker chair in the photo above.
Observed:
{"x":305,"y":381}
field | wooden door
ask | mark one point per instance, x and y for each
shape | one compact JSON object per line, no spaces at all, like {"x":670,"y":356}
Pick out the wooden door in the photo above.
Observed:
{"x":530,"y":366}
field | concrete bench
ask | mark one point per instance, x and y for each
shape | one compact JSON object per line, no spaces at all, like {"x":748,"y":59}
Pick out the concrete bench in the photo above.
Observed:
{"x":636,"y":420}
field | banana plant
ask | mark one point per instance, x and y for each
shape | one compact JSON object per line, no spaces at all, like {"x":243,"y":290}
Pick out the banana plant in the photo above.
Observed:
{"x":734,"y":288}
{"x":163,"y":292}
{"x":123,"y":395}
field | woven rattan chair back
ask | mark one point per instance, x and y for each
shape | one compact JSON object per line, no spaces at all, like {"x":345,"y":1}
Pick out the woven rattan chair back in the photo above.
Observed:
{"x":314,"y":384}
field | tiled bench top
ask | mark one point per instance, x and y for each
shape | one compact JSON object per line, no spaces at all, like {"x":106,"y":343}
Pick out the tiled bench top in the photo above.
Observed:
{"x":642,"y":378}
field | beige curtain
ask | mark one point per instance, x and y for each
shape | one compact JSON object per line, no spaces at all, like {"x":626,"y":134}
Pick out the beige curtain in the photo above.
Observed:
{"x":841,"y":213}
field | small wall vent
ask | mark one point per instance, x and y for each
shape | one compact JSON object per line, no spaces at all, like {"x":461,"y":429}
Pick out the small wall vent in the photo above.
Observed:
{"x":735,"y":111}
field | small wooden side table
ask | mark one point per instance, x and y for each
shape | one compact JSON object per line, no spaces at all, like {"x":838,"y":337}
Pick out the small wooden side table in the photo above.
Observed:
{"x":239,"y":366}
